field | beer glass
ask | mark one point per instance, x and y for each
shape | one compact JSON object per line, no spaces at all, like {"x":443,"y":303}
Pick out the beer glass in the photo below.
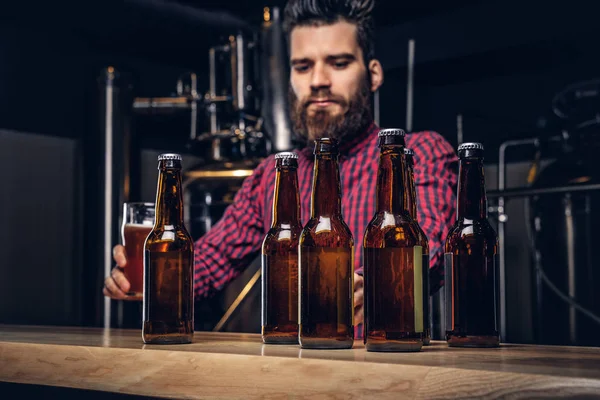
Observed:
{"x":138,"y":221}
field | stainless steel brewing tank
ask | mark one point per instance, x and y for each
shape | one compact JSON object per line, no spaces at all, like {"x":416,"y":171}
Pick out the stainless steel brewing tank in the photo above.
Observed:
{"x":564,"y":232}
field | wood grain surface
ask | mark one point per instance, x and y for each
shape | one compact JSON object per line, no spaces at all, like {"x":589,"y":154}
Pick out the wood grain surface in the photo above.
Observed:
{"x":239,"y":366}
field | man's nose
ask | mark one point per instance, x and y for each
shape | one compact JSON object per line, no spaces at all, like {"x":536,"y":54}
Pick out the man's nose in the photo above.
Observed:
{"x":320,"y":77}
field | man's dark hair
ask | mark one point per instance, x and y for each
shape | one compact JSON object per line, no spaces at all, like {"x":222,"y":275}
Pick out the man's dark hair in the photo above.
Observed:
{"x":326,"y":12}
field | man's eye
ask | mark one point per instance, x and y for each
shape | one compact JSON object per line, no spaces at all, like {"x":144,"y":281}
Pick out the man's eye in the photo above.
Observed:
{"x":341,"y":64}
{"x":301,"y":68}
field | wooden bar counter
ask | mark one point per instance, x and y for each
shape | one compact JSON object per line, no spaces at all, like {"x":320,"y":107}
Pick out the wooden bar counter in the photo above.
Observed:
{"x":223,"y":365}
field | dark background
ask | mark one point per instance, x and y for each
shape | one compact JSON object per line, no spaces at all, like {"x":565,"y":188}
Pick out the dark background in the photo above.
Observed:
{"x":498,"y":64}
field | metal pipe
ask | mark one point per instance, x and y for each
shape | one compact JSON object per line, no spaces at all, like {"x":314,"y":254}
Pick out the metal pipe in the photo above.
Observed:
{"x":409,"y":85}
{"x":275,"y":71}
{"x":108,"y":192}
{"x":115,"y":159}
{"x":528,"y":192}
{"x":233,"y":67}
{"x":212,"y":88}
{"x":459,"y":129}
{"x":241,"y":82}
{"x":571,"y":281}
{"x":142,"y":103}
{"x":212,"y":135}
{"x":194,"y":106}
{"x":501,"y":229}
{"x":187,"y":87}
{"x":193,"y":120}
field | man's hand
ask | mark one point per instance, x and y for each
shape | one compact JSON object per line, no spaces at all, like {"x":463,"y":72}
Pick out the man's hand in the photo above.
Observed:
{"x":358,"y":299}
{"x":116,"y":285}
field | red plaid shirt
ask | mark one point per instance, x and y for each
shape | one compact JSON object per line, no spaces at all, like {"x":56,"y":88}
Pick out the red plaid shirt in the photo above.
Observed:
{"x":235,"y":241}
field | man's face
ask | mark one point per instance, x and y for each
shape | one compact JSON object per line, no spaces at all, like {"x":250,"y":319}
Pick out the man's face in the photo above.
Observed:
{"x":329,"y":91}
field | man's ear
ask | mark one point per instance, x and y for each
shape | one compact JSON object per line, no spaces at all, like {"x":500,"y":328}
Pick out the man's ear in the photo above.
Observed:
{"x":376,"y":73}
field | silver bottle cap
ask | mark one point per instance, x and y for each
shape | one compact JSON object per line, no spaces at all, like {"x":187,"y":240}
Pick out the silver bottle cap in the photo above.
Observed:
{"x":286,"y":154}
{"x":470,"y":146}
{"x":391,"y":132}
{"x":169,"y":156}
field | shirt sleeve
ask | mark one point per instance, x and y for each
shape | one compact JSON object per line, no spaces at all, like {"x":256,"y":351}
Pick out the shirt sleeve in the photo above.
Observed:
{"x":233,"y":242}
{"x":436,"y":176}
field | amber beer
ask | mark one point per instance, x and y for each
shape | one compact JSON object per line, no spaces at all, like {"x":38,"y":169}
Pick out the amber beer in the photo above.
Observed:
{"x":326,"y":254}
{"x":138,"y":220}
{"x":168,"y":263}
{"x":470,"y":260}
{"x":412,"y":206}
{"x":392,"y":258}
{"x":280,"y":256}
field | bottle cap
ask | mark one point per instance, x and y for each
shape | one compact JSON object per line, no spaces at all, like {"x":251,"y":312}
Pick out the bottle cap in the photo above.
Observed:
{"x":470,"y":146}
{"x":169,"y":156}
{"x":286,"y":154}
{"x":391,"y":132}
{"x":391,"y":137}
{"x":470,"y":150}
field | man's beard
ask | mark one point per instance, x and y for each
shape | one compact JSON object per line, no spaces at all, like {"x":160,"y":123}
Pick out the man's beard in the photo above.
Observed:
{"x":343,"y":126}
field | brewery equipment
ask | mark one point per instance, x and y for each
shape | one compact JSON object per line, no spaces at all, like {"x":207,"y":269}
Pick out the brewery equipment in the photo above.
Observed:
{"x":240,"y":120}
{"x":563,"y":209}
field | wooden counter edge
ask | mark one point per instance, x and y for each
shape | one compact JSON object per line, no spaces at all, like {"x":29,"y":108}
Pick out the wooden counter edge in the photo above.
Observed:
{"x":177,"y":374}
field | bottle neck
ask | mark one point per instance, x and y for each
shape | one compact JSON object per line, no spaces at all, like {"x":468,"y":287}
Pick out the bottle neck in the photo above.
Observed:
{"x":391,"y":175}
{"x":169,"y":198}
{"x":326,"y":191}
{"x":286,"y":201}
{"x":471,"y":202}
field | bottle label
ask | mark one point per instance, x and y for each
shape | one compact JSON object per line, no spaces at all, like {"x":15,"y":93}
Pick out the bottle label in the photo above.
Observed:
{"x":418,"y":287}
{"x":394,"y":289}
{"x":168,"y":295}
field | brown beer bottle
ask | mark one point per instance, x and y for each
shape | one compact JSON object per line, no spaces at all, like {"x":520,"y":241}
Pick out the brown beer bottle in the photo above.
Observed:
{"x":470,"y":260}
{"x":168,"y":263}
{"x":411,"y":206}
{"x":326,"y":260}
{"x":280,"y":256}
{"x":393,"y":270}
